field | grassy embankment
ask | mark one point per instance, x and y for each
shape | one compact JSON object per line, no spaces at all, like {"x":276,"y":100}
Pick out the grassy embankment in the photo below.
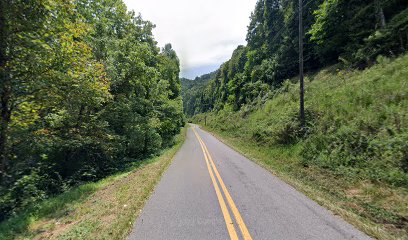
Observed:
{"x":354,"y":157}
{"x":105,"y":209}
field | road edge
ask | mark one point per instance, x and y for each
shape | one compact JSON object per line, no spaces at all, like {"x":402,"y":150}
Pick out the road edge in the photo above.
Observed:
{"x":321,"y":198}
{"x":105,"y":209}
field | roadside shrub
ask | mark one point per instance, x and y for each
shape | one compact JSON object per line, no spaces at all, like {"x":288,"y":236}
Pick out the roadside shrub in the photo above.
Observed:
{"x":289,"y":130}
{"x":289,"y":133}
{"x":261,"y":135}
{"x":7,"y":203}
{"x":24,"y":192}
{"x":351,"y":152}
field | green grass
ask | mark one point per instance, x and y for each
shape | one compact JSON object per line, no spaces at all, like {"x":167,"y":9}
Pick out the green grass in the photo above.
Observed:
{"x":354,"y":156}
{"x":102,"y":210}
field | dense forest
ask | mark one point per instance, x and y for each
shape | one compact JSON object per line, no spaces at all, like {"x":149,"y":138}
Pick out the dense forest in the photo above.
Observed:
{"x":353,"y":149}
{"x":353,"y":158}
{"x":352,"y":33}
{"x":192,"y":94}
{"x":85,"y":91}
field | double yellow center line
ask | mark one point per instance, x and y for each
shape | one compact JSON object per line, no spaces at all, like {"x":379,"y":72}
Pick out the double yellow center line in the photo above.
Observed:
{"x":227,"y":217}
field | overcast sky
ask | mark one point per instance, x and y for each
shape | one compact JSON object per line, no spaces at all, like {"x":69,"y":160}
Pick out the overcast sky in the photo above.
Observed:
{"x":204,"y":33}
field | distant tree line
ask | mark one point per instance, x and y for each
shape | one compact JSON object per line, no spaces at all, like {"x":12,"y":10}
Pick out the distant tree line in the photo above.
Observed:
{"x":353,"y":33}
{"x":194,"y":98}
{"x":84,"y":91}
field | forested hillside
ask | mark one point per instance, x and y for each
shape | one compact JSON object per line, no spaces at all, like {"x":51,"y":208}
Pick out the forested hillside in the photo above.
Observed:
{"x":352,"y":33}
{"x":85,"y":91}
{"x":194,"y":97}
{"x":353,"y":158}
{"x":351,"y":155}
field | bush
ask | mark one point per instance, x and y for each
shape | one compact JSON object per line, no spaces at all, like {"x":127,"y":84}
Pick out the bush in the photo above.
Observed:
{"x":352,"y":152}
{"x":356,"y":122}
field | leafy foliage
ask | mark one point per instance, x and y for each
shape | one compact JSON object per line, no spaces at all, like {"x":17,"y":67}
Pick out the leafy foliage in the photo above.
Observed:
{"x":353,"y":33}
{"x":356,"y":121}
{"x":193,"y":93}
{"x":355,"y":129}
{"x":356,"y":139}
{"x":84,"y":91}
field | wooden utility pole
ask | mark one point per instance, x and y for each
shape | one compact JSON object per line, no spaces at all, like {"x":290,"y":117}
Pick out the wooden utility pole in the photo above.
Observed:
{"x":302,"y":92}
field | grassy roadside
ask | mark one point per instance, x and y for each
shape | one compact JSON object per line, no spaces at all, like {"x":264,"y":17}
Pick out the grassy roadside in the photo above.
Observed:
{"x":106,"y":209}
{"x":319,"y":186}
{"x":353,"y":159}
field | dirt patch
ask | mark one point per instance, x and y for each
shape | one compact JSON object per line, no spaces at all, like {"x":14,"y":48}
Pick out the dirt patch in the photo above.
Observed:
{"x":354,"y":192}
{"x":57,"y":230}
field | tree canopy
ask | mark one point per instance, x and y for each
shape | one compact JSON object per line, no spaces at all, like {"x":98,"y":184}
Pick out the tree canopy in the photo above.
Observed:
{"x":353,"y":33}
{"x":85,"y":91}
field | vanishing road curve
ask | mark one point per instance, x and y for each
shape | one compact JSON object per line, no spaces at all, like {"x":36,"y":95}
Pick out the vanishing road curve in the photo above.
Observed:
{"x":212,"y":192}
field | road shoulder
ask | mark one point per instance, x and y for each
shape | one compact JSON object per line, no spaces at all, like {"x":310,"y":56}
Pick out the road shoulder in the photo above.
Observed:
{"x":329,"y":201}
{"x":102,"y":210}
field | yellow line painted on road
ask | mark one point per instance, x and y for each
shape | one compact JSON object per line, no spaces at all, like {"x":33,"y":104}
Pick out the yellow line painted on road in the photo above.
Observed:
{"x":228,"y":221}
{"x":237,"y":215}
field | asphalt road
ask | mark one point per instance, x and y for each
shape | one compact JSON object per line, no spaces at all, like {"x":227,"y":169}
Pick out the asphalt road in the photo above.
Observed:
{"x":212,"y":192}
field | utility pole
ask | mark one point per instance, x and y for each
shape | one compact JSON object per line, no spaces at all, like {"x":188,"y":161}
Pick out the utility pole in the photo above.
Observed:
{"x":302,"y":92}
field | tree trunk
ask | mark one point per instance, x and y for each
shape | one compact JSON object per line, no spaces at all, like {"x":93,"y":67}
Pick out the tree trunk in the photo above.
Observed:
{"x":5,"y":91}
{"x":80,"y":116}
{"x":380,"y":13}
{"x":4,"y":123}
{"x":407,"y":39}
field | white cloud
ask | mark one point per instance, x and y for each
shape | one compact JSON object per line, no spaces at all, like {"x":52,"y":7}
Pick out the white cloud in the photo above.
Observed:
{"x":203,"y":32}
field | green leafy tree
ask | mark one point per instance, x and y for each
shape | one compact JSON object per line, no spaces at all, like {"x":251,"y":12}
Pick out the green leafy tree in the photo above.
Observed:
{"x":84,"y":91}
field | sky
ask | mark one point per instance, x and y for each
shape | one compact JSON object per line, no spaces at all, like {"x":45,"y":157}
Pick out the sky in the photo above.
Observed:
{"x":204,"y":33}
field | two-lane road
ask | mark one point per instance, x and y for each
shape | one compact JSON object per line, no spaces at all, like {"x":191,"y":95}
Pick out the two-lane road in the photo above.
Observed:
{"x":212,"y":192}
